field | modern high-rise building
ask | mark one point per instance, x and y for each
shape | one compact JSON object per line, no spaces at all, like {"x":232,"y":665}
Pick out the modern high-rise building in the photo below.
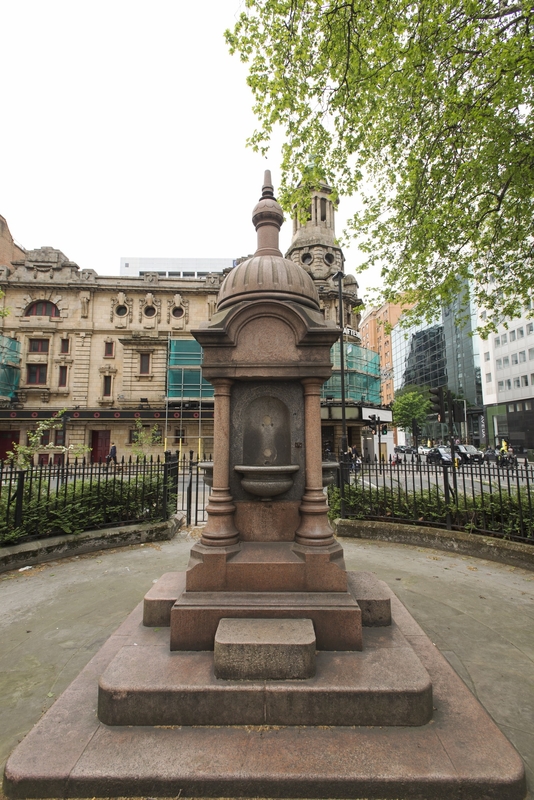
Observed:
{"x":443,"y":353}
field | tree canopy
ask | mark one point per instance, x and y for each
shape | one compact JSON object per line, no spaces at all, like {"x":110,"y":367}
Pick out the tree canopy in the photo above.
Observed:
{"x":422,"y":108}
{"x":409,"y":406}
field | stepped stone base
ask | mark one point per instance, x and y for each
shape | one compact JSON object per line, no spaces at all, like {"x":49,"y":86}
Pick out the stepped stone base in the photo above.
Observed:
{"x":460,"y":753}
{"x":383,"y":685}
{"x":337,"y":616}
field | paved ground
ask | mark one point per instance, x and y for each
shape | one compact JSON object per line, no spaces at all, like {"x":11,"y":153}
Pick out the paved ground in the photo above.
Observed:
{"x":480,"y":614}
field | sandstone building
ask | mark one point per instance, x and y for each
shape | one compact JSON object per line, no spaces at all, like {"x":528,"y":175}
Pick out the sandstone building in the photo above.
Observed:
{"x":117,"y":350}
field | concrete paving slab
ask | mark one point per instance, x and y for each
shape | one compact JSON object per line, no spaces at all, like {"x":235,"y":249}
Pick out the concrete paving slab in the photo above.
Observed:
{"x":84,"y":598}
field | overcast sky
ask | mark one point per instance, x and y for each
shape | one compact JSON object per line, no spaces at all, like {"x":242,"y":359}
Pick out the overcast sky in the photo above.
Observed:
{"x":123,"y":132}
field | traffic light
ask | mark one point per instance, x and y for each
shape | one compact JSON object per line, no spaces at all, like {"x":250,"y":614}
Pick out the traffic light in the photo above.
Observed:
{"x":372,"y":422}
{"x":384,"y":430}
{"x":458,"y":411}
{"x":437,"y":398}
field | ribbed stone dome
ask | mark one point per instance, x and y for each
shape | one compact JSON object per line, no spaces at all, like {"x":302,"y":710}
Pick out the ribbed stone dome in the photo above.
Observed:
{"x":272,"y":277}
{"x":267,"y":274}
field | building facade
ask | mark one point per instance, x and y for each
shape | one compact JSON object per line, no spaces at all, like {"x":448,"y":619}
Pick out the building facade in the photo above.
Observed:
{"x":117,"y":351}
{"x":508,"y":385}
{"x":444,"y":353}
{"x":375,"y":331}
{"x":111,"y":351}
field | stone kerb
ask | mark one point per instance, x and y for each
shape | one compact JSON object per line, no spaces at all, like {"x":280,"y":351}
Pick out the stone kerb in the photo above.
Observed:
{"x":517,"y":554}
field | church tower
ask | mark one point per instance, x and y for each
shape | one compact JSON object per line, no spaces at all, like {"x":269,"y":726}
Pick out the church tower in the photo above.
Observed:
{"x":314,"y":247}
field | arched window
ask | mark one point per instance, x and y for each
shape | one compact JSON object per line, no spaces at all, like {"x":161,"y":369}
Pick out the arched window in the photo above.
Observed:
{"x":42,"y":308}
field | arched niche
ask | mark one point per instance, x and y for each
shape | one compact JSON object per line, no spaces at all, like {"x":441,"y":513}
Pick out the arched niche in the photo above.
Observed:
{"x":266,"y":432}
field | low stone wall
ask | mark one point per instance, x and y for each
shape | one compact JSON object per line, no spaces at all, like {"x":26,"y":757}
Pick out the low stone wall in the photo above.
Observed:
{"x":36,"y":552}
{"x":470,"y":544}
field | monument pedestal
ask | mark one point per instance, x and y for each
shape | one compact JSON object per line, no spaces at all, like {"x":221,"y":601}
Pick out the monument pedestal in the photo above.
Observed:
{"x":459,"y":753}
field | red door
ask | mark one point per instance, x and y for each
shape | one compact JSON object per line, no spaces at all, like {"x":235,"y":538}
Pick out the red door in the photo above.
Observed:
{"x":99,"y":445}
{"x":7,"y":440}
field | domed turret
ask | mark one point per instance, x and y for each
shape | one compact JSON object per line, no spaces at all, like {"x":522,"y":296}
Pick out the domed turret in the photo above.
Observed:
{"x":268,"y":273}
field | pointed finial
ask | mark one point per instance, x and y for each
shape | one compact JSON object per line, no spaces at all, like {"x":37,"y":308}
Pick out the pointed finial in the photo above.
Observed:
{"x":268,"y":189}
{"x":267,"y":218}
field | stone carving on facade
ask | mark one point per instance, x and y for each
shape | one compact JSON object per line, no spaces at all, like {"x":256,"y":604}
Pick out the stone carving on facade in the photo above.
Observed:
{"x":149,"y":310}
{"x":84,"y":303}
{"x":42,"y":294}
{"x":118,"y":302}
{"x":178,"y":311}
{"x":212,"y":305}
{"x":213,"y":279}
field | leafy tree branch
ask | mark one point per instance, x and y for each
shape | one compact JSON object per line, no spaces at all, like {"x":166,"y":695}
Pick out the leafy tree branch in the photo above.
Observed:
{"x":424,"y":109}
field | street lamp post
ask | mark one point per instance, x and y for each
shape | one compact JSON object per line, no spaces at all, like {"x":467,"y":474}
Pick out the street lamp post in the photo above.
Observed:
{"x":344,"y":467}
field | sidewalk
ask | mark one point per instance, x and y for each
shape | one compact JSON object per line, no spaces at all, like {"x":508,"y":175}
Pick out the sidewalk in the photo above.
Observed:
{"x":480,"y":614}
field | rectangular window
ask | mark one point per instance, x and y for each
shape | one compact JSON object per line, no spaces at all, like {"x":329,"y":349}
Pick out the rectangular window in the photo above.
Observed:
{"x":504,"y":338}
{"x":106,"y":391}
{"x":515,"y":360}
{"x":486,"y":356}
{"x":488,"y":377}
{"x":179,"y":435}
{"x":528,"y":405}
{"x":60,"y":437}
{"x":498,"y":363}
{"x":497,"y":341}
{"x":517,"y":383}
{"x":532,"y":378}
{"x":62,"y":381}
{"x":45,"y":438}
{"x":531,"y":353}
{"x":506,"y":362}
{"x":500,"y":386}
{"x":144,"y":364}
{"x":522,"y":356}
{"x":39,"y":345}
{"x":65,"y":345}
{"x":530,"y":327}
{"x":524,"y":380}
{"x":519,"y":406}
{"x":511,"y":408}
{"x":520,"y":333}
{"x":508,"y":384}
{"x":512,"y":336}
{"x":36,"y":374}
{"x":109,"y":349}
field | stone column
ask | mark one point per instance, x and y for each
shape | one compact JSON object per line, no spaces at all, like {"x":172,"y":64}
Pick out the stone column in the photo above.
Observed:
{"x":220,"y":530}
{"x":314,"y":529}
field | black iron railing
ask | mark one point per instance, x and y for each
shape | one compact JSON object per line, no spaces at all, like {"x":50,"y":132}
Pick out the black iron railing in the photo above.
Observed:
{"x":487,"y":498}
{"x":76,"y":496}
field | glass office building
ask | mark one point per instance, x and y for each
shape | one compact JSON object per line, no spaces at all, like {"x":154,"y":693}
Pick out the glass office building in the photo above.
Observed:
{"x":362,"y":375}
{"x":444,"y":353}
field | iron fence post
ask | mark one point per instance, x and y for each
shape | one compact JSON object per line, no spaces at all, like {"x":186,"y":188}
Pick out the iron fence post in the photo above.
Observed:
{"x":20,"y":497}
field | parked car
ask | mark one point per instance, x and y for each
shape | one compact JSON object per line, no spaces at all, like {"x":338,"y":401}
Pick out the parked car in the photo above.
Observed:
{"x":399,"y":448}
{"x":439,"y":455}
{"x":491,"y":454}
{"x":423,"y":449}
{"x":410,"y":450}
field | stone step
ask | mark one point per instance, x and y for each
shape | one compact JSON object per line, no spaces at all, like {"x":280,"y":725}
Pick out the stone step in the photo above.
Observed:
{"x":264,"y":649}
{"x":336,"y":616}
{"x":385,"y":684}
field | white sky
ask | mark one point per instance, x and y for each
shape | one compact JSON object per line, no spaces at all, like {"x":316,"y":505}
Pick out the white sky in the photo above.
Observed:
{"x":123,"y":130}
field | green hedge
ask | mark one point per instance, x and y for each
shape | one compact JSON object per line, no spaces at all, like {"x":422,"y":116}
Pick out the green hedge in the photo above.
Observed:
{"x":493,"y":513}
{"x":75,"y":508}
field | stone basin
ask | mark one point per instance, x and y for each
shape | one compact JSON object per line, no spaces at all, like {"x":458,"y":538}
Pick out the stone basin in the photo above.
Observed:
{"x":267,"y":481}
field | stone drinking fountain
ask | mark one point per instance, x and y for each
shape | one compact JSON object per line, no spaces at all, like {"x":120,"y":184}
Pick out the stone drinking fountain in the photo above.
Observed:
{"x":266,"y":669}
